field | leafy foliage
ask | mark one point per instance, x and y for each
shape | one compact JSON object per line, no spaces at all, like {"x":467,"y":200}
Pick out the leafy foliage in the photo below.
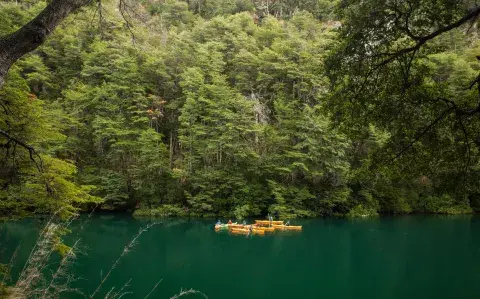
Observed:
{"x":243,"y":108}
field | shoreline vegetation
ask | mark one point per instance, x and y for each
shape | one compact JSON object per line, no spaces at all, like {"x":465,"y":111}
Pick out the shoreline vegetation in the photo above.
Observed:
{"x":169,"y":211}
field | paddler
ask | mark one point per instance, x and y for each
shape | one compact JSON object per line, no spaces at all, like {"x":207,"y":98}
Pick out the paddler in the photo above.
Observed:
{"x":229,"y":221}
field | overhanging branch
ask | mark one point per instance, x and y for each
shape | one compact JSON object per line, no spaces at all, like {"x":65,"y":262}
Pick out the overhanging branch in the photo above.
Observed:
{"x":34,"y":33}
{"x":420,"y":41}
{"x":30,"y":149}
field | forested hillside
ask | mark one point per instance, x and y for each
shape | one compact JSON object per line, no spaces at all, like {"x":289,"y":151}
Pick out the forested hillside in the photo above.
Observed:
{"x":243,"y":108}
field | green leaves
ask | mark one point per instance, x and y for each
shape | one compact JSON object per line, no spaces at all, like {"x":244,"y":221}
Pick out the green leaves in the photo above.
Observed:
{"x":39,"y":182}
{"x":236,"y":109}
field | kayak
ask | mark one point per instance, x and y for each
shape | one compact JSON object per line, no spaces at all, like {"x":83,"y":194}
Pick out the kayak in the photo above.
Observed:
{"x":221,"y":227}
{"x":236,"y":225}
{"x":226,"y":225}
{"x":259,"y":228}
{"x":245,"y":232}
{"x":266,"y":222}
{"x":266,"y":229}
{"x":287,"y":227}
{"x":240,"y":231}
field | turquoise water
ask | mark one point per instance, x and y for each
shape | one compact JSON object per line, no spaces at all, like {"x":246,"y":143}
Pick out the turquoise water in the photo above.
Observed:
{"x":391,"y":257}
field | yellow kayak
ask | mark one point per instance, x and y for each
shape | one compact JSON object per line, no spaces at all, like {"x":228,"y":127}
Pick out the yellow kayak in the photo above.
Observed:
{"x":266,"y":229}
{"x":230,"y":226}
{"x":240,"y":231}
{"x":236,"y":225}
{"x":266,"y":222}
{"x":287,"y":227}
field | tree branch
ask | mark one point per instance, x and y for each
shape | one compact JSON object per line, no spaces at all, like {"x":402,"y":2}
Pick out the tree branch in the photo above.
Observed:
{"x":422,"y":40}
{"x":424,"y":131}
{"x":123,"y":8}
{"x":34,"y":33}
{"x":30,"y":149}
{"x":398,"y":15}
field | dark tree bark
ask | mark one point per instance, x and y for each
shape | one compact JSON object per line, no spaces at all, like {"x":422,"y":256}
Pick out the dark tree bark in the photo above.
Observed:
{"x":34,"y":33}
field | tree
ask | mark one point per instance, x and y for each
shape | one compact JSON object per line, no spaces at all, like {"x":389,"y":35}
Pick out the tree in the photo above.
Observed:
{"x":219,"y":110}
{"x":47,"y":183}
{"x":409,"y":68}
{"x":215,"y":134}
{"x":387,"y":38}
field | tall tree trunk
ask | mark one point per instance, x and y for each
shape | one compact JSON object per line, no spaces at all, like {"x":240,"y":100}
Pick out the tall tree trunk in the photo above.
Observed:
{"x":171,"y":150}
{"x":34,"y":33}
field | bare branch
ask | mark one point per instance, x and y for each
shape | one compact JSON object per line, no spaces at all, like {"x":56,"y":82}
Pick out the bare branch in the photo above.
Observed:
{"x":30,"y":149}
{"x":398,"y":15}
{"x":474,"y":13}
{"x":467,"y":143}
{"x":423,"y":132}
{"x":123,"y":8}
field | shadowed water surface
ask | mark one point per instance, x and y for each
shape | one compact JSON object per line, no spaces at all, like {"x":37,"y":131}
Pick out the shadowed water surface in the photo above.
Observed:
{"x":390,"y":257}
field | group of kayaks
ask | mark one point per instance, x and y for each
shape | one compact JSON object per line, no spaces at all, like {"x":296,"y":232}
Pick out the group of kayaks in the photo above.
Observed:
{"x":259,"y":228}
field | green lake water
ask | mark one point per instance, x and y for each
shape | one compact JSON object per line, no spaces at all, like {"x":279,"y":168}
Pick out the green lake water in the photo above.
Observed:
{"x":390,"y":257}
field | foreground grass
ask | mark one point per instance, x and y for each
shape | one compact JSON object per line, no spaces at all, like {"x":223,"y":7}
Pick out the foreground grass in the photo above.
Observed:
{"x":44,"y":277}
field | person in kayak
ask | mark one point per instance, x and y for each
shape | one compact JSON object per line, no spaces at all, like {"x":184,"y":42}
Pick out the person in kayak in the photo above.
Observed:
{"x":219,"y":222}
{"x":229,"y":221}
{"x":244,"y":222}
{"x":288,"y":223}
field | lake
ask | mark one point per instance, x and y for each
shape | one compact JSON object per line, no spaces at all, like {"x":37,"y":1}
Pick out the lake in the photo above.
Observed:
{"x":390,"y":257}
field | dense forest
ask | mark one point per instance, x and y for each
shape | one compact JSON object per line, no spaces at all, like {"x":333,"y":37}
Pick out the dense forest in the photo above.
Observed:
{"x":238,"y":108}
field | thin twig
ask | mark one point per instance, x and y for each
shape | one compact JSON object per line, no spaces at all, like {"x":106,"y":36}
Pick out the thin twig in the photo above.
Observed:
{"x":67,"y":258}
{"x":153,"y":289}
{"x":40,"y":236}
{"x":10,"y":264}
{"x":125,"y":251}
{"x":424,"y":131}
{"x":187,"y":293}
{"x":122,"y":8}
